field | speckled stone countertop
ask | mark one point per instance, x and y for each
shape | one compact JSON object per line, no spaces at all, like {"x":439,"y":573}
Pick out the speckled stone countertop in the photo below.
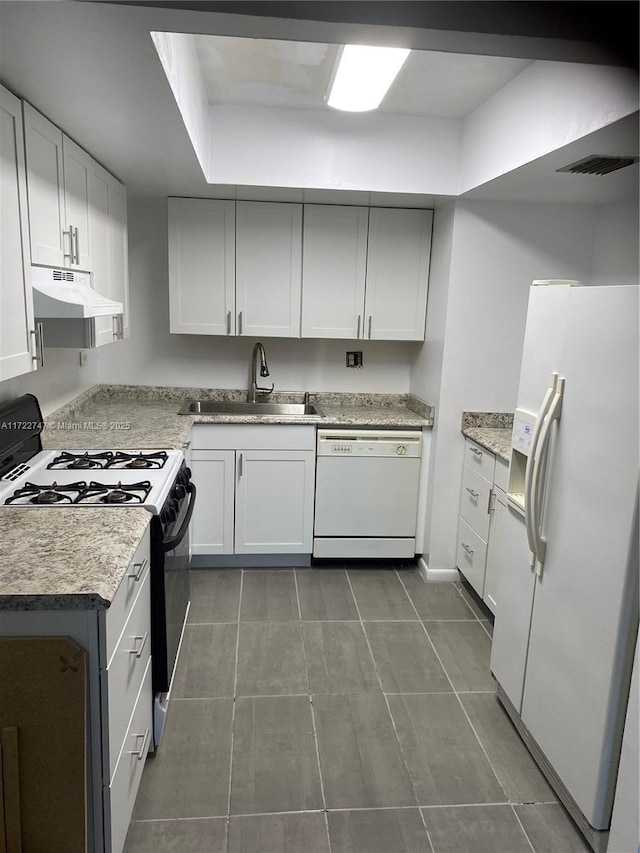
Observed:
{"x":66,"y":558}
{"x":121,"y":417}
{"x":491,"y":430}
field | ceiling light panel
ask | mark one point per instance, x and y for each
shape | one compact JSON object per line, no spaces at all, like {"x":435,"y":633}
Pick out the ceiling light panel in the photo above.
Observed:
{"x":363,"y":76}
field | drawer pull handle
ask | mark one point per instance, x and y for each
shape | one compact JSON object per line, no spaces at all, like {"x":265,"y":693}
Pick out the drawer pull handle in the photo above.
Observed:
{"x":140,"y":567}
{"x":475,"y":495}
{"x":476,"y":451}
{"x":467,"y":549}
{"x":139,"y":753}
{"x":138,"y":652}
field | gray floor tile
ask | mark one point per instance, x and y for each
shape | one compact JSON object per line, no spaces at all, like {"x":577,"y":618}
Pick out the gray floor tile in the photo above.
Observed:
{"x":445,"y":760}
{"x":207,"y":663}
{"x":435,"y":600}
{"x":189,"y":775}
{"x":275,"y":762}
{"x":405,"y":660}
{"x":338,"y":658}
{"x":550,"y":829}
{"x":325,"y":594}
{"x":215,"y":595}
{"x":269,"y":596}
{"x":479,"y":829}
{"x":479,"y":608}
{"x":465,"y":650}
{"x":178,"y":836}
{"x":283,"y":833}
{"x":380,"y":595}
{"x":513,"y":765}
{"x":271,"y":659}
{"x":378,"y":831}
{"x":362,"y":765}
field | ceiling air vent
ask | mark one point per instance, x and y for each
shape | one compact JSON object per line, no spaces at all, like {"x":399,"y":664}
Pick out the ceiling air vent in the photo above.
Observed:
{"x":598,"y":164}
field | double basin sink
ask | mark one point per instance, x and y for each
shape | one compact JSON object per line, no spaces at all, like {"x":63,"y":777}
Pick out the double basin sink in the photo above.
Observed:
{"x":215,"y":407}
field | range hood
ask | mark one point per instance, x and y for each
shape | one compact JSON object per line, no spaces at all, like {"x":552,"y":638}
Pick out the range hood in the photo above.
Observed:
{"x":62,"y":294}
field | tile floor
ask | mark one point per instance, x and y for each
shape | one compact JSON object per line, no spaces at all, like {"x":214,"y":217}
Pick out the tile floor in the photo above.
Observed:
{"x":337,"y":710}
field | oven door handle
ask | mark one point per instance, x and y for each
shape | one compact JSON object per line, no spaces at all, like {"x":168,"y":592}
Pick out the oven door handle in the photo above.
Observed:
{"x":174,"y":541}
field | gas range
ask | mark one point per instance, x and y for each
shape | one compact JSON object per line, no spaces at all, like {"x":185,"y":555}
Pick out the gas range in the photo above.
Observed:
{"x":84,"y":478}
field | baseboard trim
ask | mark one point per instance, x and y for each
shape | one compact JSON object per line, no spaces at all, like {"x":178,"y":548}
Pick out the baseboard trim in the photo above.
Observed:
{"x":436,"y":575}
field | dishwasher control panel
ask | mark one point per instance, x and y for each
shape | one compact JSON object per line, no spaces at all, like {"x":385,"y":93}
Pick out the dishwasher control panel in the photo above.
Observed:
{"x":393,"y":443}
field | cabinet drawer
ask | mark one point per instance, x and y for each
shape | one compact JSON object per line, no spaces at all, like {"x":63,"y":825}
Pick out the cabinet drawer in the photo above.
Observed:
{"x":471,"y":555}
{"x":474,"y":501}
{"x":117,"y":614}
{"x":482,"y":461}
{"x":125,"y":672}
{"x":501,"y":474}
{"x":120,"y":796}
{"x":253,"y":437}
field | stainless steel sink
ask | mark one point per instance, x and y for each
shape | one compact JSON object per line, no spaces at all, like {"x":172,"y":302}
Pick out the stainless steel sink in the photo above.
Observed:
{"x":215,"y":407}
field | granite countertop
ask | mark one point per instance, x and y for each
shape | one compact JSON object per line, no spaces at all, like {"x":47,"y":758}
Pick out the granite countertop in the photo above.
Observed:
{"x":66,"y":558}
{"x":127,"y":417}
{"x":491,"y":430}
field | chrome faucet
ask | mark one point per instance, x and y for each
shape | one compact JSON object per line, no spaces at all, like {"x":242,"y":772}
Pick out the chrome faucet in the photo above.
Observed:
{"x":254,"y":389}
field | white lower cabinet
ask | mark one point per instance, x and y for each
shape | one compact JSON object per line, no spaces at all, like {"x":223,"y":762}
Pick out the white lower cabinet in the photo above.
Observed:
{"x":255,"y":489}
{"x":482,"y":504}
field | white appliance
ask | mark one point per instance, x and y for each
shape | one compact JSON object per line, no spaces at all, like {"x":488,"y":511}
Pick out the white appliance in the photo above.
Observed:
{"x":366,"y":493}
{"x":567,"y":616}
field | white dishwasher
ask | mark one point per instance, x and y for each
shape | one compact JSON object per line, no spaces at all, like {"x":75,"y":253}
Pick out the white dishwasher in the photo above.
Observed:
{"x":366,"y":493}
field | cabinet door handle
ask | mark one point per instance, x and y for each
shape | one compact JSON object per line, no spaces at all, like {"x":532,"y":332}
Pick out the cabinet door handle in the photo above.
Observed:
{"x":68,"y":254}
{"x":475,"y":495}
{"x":136,"y":575}
{"x":138,"y":652}
{"x":358,"y":331}
{"x":240,"y":322}
{"x":77,"y":246}
{"x":228,"y":322}
{"x":139,"y":753}
{"x":370,"y":318}
{"x":467,"y":549}
{"x":114,"y":327}
{"x":476,"y":451}
{"x":240,"y":462}
{"x":38,"y":337}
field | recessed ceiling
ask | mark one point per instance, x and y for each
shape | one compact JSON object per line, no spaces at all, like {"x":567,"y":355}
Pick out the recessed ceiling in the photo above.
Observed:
{"x":291,"y":74}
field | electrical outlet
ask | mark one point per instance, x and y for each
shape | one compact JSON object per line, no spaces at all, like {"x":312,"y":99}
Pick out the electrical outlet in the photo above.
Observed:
{"x":84,"y":357}
{"x":354,"y":359}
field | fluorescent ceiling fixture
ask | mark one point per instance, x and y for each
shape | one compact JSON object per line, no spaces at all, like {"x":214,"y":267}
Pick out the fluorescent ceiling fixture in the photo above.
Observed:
{"x":363,"y":76}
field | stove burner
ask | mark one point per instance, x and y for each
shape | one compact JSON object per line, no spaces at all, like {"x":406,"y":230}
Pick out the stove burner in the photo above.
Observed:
{"x":50,"y":494}
{"x":81,"y":461}
{"x":138,"y":460}
{"x":117,"y":494}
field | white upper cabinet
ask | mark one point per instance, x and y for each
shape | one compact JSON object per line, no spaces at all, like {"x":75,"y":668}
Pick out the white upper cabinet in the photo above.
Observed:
{"x":334,"y":267}
{"x":16,"y":304}
{"x":58,"y":191}
{"x":108,"y":230}
{"x":202,"y":266}
{"x":397,"y":274}
{"x":268,"y":269}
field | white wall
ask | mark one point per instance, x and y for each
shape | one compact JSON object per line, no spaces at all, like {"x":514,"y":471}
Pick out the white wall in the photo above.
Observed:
{"x":155,"y":357}
{"x":497,"y":249}
{"x":347,"y":151}
{"x":615,"y":246}
{"x":547,"y":106}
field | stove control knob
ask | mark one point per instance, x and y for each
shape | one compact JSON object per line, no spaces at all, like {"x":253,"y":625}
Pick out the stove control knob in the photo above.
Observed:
{"x":179,"y":492}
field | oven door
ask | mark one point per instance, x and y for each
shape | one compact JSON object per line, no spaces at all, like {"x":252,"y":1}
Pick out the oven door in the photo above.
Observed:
{"x":170,"y":587}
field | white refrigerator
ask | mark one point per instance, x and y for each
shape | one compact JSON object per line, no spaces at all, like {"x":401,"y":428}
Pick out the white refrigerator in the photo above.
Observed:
{"x":567,"y":592}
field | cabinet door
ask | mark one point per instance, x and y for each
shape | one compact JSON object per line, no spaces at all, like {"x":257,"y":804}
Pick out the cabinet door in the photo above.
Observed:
{"x":274,"y":502}
{"x":398,"y":254}
{"x":268,"y":269}
{"x":496,"y":555}
{"x":213,"y":472}
{"x":119,"y":249}
{"x":45,"y":188}
{"x":104,"y":327}
{"x":201,"y":266}
{"x":333,"y":274}
{"x":77,"y":168}
{"x":16,"y":314}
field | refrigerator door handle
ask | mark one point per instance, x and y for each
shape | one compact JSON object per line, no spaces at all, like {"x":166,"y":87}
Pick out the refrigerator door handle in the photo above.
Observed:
{"x":539,"y":473}
{"x":529,"y":505}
